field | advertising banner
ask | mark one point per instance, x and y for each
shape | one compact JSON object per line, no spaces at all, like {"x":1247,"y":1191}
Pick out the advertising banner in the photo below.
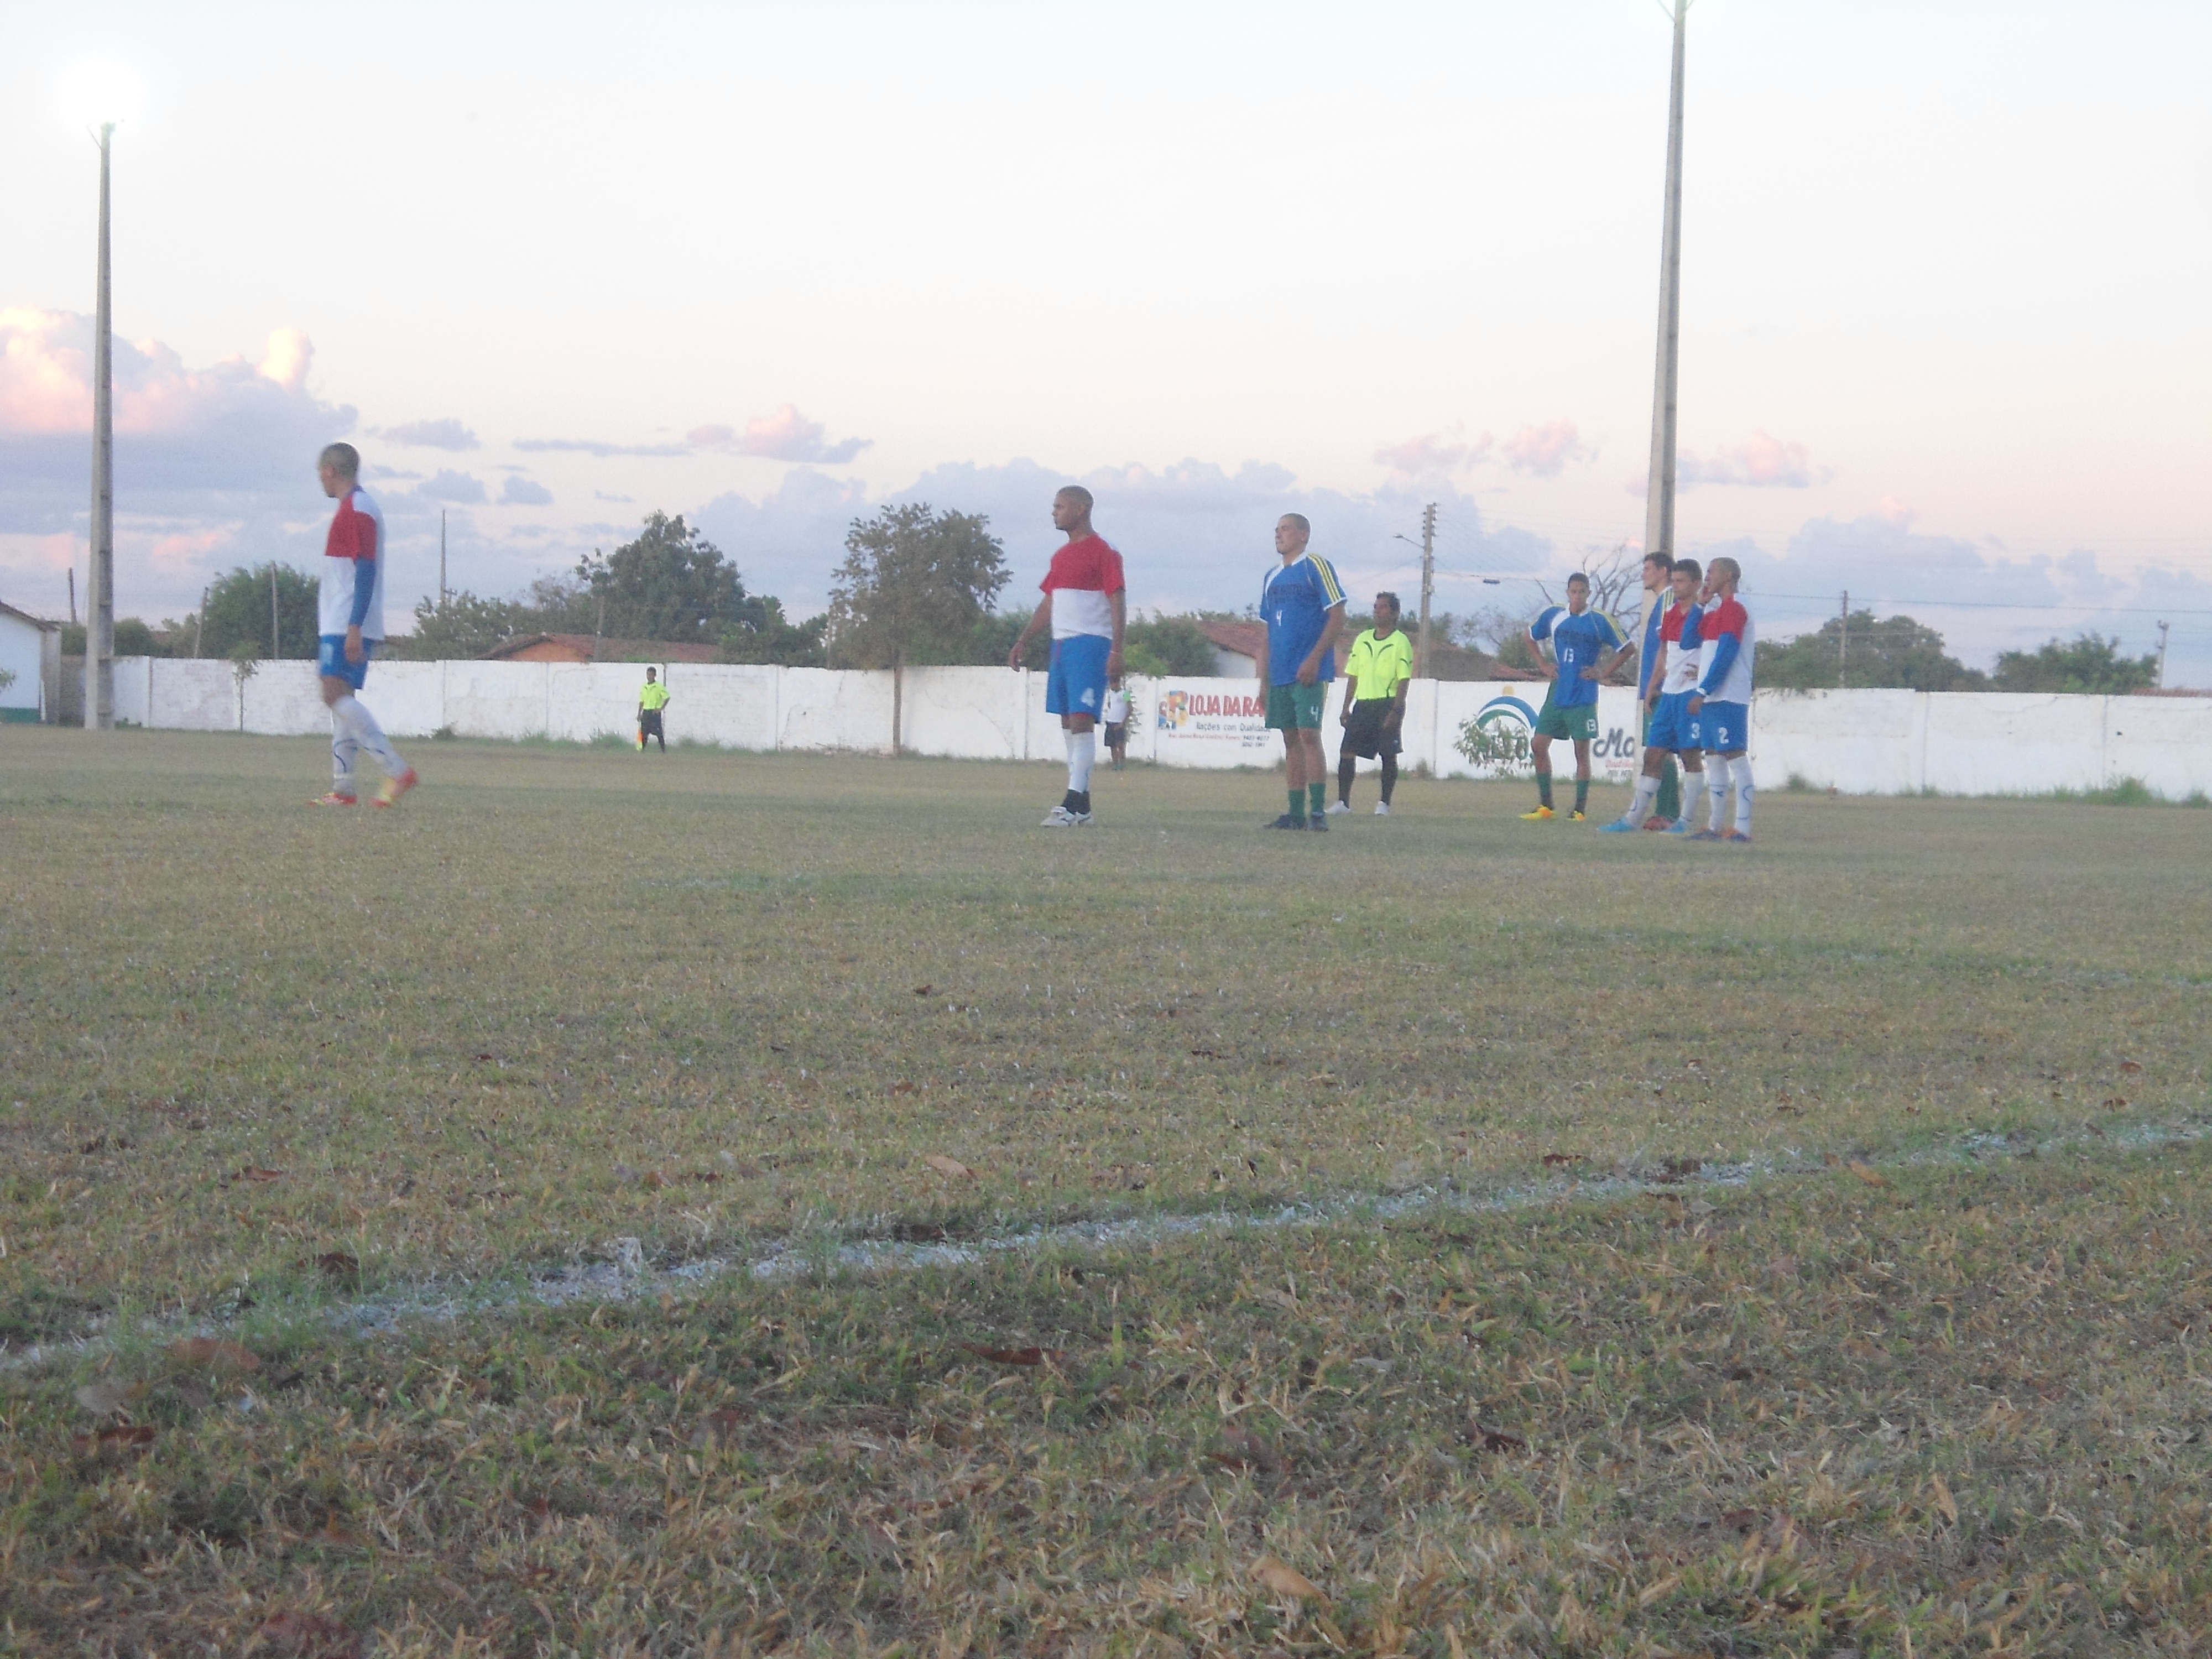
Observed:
{"x":1225,"y":717}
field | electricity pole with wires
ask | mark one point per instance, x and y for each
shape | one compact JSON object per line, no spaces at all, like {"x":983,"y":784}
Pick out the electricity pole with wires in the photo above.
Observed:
{"x":1843,"y":640}
{"x":1659,"y":493}
{"x":441,"y":561}
{"x":2162,"y":627}
{"x":1428,"y":578}
{"x":99,"y":587}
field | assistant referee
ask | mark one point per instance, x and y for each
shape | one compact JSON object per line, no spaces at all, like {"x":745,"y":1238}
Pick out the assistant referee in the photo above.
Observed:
{"x":650,"y":701}
{"x":1375,"y":676}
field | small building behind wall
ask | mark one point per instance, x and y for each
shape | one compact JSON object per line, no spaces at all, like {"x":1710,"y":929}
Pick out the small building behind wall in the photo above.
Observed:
{"x":31,"y":652}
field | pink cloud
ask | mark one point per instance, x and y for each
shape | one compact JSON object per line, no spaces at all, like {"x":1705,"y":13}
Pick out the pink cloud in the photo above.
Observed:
{"x":45,"y":379}
{"x":1763,"y":463}
{"x":1433,"y":454}
{"x":1543,"y":451}
{"x":786,"y":436}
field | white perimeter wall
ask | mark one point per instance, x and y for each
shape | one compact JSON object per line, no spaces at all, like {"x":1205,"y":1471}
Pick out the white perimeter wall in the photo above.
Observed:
{"x":1862,"y":742}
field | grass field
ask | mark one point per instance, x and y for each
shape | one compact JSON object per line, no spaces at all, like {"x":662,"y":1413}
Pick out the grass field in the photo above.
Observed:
{"x":260,"y":1058}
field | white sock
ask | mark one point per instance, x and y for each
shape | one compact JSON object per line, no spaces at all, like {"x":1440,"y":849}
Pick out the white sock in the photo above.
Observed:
{"x":1743,"y":795}
{"x":354,"y":715}
{"x":344,"y":749}
{"x":1716,"y":785}
{"x":1647,"y":790}
{"x":1693,"y":786}
{"x":1082,"y":750}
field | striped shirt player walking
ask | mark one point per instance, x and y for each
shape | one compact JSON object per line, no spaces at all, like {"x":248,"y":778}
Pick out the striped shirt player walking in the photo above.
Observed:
{"x":350,"y":628}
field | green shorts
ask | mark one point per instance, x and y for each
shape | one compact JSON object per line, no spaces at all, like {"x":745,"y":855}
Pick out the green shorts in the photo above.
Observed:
{"x":1578,"y":724}
{"x":1296,"y":705}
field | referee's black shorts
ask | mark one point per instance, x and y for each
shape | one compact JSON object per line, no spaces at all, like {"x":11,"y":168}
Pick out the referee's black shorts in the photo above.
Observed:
{"x":648,"y":724}
{"x":1365,"y":735}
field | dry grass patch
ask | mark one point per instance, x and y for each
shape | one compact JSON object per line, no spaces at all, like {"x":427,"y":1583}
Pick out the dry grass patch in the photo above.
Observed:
{"x":1963,"y":1410}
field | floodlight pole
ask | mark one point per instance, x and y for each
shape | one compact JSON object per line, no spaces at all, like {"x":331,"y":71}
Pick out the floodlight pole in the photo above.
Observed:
{"x":1659,"y":492}
{"x":100,"y":601}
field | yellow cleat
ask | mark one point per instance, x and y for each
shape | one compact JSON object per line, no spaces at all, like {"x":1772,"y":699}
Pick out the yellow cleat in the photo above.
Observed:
{"x":395,"y":788}
{"x":1576,"y":816}
{"x":1538,"y":816}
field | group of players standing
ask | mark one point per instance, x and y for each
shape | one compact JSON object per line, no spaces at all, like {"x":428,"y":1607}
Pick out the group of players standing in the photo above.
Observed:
{"x":1693,"y":683}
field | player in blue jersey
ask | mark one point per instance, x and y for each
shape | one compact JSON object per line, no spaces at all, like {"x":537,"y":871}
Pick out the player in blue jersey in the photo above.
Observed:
{"x":1673,"y":728}
{"x":1580,"y":640}
{"x":1722,"y":702}
{"x":1303,"y":605}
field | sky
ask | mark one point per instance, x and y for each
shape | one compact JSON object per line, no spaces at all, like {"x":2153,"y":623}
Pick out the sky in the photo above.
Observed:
{"x":1945,"y":281}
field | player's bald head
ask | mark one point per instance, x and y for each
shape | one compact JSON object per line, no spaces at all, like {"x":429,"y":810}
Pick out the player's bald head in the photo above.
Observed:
{"x":343,"y":460}
{"x":1075,"y":494}
{"x":1725,"y":569}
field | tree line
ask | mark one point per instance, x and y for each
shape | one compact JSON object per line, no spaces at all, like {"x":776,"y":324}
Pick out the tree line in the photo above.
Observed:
{"x":918,"y":586}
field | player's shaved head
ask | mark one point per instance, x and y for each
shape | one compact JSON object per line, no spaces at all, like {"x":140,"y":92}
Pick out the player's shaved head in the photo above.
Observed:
{"x":340,"y":458}
{"x":1077,"y":493}
{"x":1690,"y":568}
{"x":1300,"y":522}
{"x":1726,"y":569}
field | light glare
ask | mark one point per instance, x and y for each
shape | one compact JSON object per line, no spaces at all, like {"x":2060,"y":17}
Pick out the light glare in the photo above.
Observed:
{"x":93,"y":94}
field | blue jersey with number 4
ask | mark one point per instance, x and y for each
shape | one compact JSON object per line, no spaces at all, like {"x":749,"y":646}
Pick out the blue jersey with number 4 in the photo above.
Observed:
{"x":1576,"y":642}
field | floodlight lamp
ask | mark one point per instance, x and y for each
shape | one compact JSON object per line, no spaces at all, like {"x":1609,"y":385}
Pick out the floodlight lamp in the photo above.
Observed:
{"x":99,"y":95}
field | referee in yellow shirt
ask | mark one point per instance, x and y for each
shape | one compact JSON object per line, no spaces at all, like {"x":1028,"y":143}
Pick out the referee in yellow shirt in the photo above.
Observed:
{"x":1375,"y":676}
{"x":650,"y":703}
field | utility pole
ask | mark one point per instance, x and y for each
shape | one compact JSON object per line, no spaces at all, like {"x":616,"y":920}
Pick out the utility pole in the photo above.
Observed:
{"x":72,"y":576}
{"x":1428,"y":578}
{"x":1659,"y":493}
{"x":199,"y":622}
{"x":1843,"y":640}
{"x":99,"y":600}
{"x":441,"y":561}
{"x":276,"y":639}
{"x":2162,"y":627}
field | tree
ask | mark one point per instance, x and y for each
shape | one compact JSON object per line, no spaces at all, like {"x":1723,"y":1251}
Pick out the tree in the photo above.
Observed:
{"x":467,"y":626}
{"x":776,"y":639}
{"x":1895,"y":651}
{"x":1167,"y":645}
{"x":2092,"y":663}
{"x":670,"y":583}
{"x":1616,"y":585}
{"x":914,"y":580}
{"x":238,"y":613}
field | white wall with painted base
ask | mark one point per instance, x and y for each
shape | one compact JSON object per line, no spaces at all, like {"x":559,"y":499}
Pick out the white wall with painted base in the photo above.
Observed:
{"x":1862,"y":742}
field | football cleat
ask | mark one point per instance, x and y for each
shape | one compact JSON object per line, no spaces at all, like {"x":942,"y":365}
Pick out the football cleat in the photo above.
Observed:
{"x":1618,"y":827}
{"x":334,"y":799}
{"x":1060,"y":818}
{"x":1679,"y":827}
{"x":1704,"y":834}
{"x":1382,"y":809}
{"x":1288,"y":822}
{"x":1577,"y":816}
{"x":1318,"y":821}
{"x":1737,"y":837}
{"x":1658,"y":826}
{"x":1538,"y":816}
{"x":1337,"y":806}
{"x":395,"y":788}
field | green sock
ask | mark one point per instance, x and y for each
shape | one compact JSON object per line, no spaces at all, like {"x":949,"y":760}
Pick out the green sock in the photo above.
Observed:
{"x":1316,"y":800}
{"x":1297,"y":803}
{"x":1581,"y":793}
{"x":1544,"y":788}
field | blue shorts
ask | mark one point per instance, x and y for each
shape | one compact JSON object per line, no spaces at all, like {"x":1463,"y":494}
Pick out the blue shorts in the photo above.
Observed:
{"x":1672,"y":726}
{"x":1076,"y":682}
{"x":331,"y":660}
{"x":1725,"y":727}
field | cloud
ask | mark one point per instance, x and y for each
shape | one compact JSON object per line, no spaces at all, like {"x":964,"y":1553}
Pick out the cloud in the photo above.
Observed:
{"x":1433,"y":454}
{"x":593,"y":446}
{"x":1765,"y":463}
{"x":447,"y":434}
{"x":1195,"y":534}
{"x":786,"y":436}
{"x":1542,"y":450}
{"x":521,"y":492}
{"x":451,"y":486}
{"x":225,"y":451}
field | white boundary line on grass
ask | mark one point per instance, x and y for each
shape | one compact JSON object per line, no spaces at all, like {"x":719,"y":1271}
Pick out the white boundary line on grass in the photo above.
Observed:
{"x":627,"y":1277}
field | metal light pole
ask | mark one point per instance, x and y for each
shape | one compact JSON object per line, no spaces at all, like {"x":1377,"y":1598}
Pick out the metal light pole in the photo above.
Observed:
{"x":99,"y":602}
{"x":1659,"y":494}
